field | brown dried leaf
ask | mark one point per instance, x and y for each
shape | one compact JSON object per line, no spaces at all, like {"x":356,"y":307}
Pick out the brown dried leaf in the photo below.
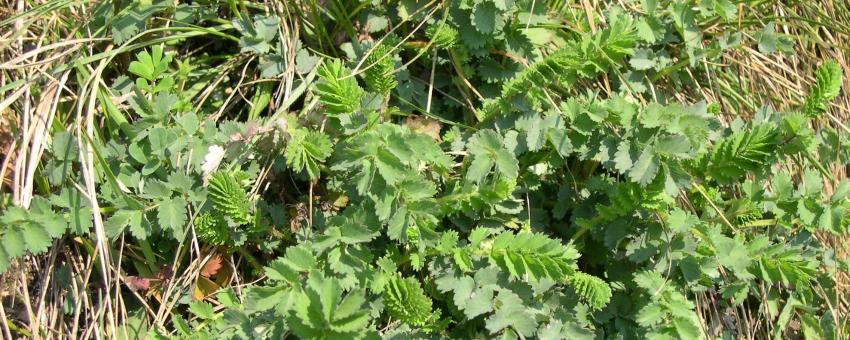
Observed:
{"x":137,"y":283}
{"x":426,"y":125}
{"x":212,"y":266}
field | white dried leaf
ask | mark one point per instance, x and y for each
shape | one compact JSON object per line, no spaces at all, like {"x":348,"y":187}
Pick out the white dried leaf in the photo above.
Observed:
{"x":212,"y":159}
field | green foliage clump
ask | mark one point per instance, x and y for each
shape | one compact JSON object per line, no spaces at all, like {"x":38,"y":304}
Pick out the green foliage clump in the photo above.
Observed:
{"x":322,"y":310}
{"x":306,"y":149}
{"x":379,"y":69}
{"x":442,"y":35}
{"x":405,"y":300}
{"x":229,"y":197}
{"x":537,"y":174}
{"x":533,"y":256}
{"x":586,"y":57}
{"x":30,"y":231}
{"x":828,"y":79}
{"x":338,"y":90}
{"x":741,"y":152}
{"x":592,"y":290}
{"x":212,"y":228}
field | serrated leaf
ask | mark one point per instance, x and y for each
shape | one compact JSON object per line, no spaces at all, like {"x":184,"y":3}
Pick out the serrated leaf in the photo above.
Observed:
{"x":484,"y":15}
{"x":645,"y":168}
{"x":512,"y":314}
{"x":507,"y":163}
{"x":828,"y":79}
{"x":37,"y":239}
{"x":831,"y":218}
{"x":686,"y":328}
{"x":673,"y":145}
{"x":732,"y":254}
{"x":64,"y":147}
{"x":478,"y":169}
{"x":13,"y":243}
{"x":117,"y":223}
{"x":643,"y":59}
{"x":623,"y":157}
{"x":650,"y":315}
{"x":337,"y":90}
{"x":171,"y":215}
{"x":202,"y":310}
{"x":150,"y":65}
{"x":306,"y":150}
{"x":561,"y":141}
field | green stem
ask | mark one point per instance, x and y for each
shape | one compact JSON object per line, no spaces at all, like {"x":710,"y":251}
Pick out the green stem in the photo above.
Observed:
{"x":14,"y":328}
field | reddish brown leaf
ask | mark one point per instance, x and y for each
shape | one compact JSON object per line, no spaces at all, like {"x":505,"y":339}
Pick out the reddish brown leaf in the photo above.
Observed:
{"x":137,"y":283}
{"x":212,"y":266}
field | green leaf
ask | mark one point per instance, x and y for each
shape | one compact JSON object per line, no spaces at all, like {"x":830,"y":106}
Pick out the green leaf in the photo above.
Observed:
{"x":744,"y":151}
{"x":37,"y":239}
{"x":484,"y":15}
{"x":685,"y":19}
{"x":337,"y":90}
{"x":561,"y":141}
{"x":623,"y":157}
{"x":650,"y":280}
{"x":506,"y":163}
{"x":131,"y":20}
{"x":592,"y":290}
{"x":122,"y":219}
{"x":732,"y":254}
{"x":643,"y":59}
{"x":64,"y":147}
{"x":300,"y":258}
{"x":532,"y":256}
{"x":673,"y":145}
{"x":405,"y":300}
{"x":646,"y":167}
{"x":769,"y":41}
{"x":478,"y":169}
{"x":172,"y":216}
{"x":229,"y":197}
{"x":150,"y":65}
{"x":442,"y":35}
{"x":13,"y":243}
{"x":321,"y":310}
{"x":306,"y":150}
{"x":487,"y":148}
{"x":389,"y":166}
{"x":513,"y":314}
{"x":650,"y":315}
{"x":257,"y":37}
{"x":828,"y":79}
{"x":397,"y":225}
{"x":264,"y":298}
{"x":686,"y":328}
{"x":841,"y":192}
{"x":832,"y":218}
{"x":202,"y":310}
{"x":380,"y":65}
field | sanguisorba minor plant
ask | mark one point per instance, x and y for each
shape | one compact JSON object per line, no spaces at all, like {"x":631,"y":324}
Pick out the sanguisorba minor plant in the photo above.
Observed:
{"x":417,"y":169}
